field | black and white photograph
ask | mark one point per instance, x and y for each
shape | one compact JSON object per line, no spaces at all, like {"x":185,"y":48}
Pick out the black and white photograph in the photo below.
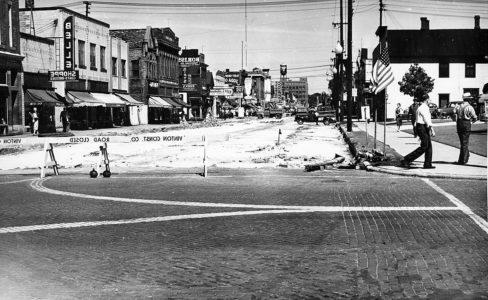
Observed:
{"x":243,"y":149}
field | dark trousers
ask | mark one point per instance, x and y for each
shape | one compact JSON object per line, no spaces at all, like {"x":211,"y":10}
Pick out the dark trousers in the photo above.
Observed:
{"x":463,"y":130}
{"x":414,"y":129}
{"x":425,"y":146}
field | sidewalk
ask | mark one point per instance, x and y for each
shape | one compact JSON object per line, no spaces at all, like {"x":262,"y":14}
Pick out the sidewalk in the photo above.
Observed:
{"x":443,"y":156}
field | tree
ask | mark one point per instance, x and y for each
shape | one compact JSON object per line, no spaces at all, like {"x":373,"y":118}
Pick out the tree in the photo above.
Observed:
{"x":416,"y":82}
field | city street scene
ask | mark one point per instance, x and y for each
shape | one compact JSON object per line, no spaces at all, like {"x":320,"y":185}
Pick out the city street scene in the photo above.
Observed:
{"x":243,"y":149}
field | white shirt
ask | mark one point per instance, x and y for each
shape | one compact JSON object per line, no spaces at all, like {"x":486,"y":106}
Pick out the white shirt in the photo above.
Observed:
{"x":423,"y":115}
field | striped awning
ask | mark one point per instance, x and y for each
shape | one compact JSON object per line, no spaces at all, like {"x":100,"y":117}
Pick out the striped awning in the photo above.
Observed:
{"x":82,"y":99}
{"x":110,"y":100}
{"x":158,"y":102}
{"x":39,"y":97}
{"x":129,"y":100}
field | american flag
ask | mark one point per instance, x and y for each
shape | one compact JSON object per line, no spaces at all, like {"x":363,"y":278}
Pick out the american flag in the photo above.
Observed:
{"x":382,"y":74}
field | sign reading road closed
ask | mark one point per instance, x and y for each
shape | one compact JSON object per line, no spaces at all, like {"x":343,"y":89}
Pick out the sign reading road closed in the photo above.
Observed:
{"x":92,"y":139}
{"x":64,"y":75}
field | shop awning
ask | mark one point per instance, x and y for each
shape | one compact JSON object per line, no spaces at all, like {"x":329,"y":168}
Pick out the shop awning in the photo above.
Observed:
{"x":110,"y":100}
{"x":81,"y":99}
{"x":129,"y":100}
{"x":173,"y":103}
{"x":179,"y":101}
{"x":158,"y":102}
{"x":39,"y":97}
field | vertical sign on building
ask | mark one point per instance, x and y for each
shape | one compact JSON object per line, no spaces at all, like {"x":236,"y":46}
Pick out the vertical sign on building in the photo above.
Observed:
{"x":69,"y":38}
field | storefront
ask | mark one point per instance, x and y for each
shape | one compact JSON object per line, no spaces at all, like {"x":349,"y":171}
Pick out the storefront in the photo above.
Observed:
{"x":163,"y":110}
{"x":46,"y":103}
{"x":136,"y":113}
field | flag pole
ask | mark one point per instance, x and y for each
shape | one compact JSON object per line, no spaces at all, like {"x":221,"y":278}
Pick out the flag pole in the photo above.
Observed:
{"x":384,"y":125}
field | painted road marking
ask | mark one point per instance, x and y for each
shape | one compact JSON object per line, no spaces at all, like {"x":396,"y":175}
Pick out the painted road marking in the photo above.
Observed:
{"x":17,"y":229}
{"x":37,"y":185}
{"x":16,"y":181}
{"x":483,"y":224}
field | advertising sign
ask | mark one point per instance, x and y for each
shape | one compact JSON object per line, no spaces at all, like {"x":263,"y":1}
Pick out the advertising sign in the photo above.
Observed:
{"x":189,"y":87}
{"x":189,"y":61}
{"x":68,"y":38}
{"x":63,"y":75}
{"x":232,"y":78}
{"x":283,"y":70}
{"x":221,"y":92}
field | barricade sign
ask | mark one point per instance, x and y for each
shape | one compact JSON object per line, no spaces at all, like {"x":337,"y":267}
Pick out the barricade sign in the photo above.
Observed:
{"x":164,"y":139}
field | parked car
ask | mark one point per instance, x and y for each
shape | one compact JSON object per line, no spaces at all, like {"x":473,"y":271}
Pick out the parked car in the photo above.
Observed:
{"x":445,"y":112}
{"x":434,"y":112}
{"x":324,"y":114}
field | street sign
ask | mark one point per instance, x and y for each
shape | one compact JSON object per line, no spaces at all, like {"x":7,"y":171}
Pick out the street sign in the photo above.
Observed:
{"x":221,"y":92}
{"x":63,"y":75}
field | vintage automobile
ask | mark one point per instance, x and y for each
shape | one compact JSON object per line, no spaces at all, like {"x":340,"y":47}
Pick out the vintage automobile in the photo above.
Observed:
{"x":322,"y":114}
{"x":270,"y":110}
{"x":445,"y":112}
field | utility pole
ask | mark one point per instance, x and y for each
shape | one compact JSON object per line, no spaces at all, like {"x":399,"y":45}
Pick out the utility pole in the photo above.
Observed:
{"x":245,"y":17}
{"x":349,"y":65}
{"x":341,"y":63}
{"x":382,"y":6}
{"x":87,"y":7}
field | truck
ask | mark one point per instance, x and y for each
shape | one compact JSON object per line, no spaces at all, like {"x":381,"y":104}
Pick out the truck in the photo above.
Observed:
{"x":270,"y":110}
{"x":321,"y":113}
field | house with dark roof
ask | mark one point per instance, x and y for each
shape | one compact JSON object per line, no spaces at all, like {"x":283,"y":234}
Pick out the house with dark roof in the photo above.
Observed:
{"x":457,"y":60}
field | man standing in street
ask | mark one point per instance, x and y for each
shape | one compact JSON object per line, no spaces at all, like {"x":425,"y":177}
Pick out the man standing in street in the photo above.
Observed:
{"x":423,"y":126}
{"x":465,"y":114}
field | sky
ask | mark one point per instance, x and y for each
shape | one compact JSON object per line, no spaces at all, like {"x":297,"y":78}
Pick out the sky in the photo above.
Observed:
{"x":300,"y":34}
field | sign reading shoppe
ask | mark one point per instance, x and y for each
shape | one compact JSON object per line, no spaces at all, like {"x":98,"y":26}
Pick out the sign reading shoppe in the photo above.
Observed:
{"x":68,"y":38}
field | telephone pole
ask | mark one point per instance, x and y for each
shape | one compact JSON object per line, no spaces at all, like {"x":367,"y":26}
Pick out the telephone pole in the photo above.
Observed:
{"x":341,"y":63}
{"x":349,"y":65}
{"x":87,"y":7}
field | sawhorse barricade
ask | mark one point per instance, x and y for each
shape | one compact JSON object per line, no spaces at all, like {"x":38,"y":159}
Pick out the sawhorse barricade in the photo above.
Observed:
{"x":49,"y":160}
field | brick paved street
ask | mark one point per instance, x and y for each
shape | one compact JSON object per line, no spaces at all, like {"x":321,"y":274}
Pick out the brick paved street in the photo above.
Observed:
{"x":353,"y":253}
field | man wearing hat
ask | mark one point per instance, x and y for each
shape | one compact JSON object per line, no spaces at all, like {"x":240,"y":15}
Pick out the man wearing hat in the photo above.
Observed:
{"x":465,"y":114}
{"x":423,"y":125}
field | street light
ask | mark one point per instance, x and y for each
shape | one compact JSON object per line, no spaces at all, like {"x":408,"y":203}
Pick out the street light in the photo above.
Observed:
{"x":339,"y":52}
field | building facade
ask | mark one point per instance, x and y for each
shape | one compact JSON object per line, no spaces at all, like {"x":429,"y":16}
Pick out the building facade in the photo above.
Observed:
{"x":455,"y":58}
{"x":39,"y":59}
{"x":153,"y":70}
{"x":119,"y":59}
{"x":194,"y":81}
{"x":296,"y":90}
{"x":11,"y":96}
{"x":86,"y":52}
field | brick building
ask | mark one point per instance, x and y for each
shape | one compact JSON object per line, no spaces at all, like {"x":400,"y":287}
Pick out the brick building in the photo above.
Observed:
{"x":195,"y":81}
{"x":154,"y":70}
{"x":11,"y":96}
{"x":81,"y":46}
{"x":296,"y":90}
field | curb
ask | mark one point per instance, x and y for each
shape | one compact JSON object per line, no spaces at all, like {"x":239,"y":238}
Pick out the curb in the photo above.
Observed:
{"x":352,"y":146}
{"x":371,"y":168}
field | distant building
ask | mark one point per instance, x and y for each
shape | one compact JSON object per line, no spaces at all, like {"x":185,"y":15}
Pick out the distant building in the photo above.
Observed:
{"x":455,"y":58}
{"x":194,"y":83}
{"x":154,"y":70}
{"x":11,"y":96}
{"x":296,"y":90}
{"x":257,"y":84}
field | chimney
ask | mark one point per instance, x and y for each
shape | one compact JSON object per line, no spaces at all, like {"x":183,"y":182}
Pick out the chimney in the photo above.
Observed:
{"x":424,"y":23}
{"x":476,"y":22}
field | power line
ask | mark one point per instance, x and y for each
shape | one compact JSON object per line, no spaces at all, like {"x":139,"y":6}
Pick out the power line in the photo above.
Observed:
{"x":430,"y":13}
{"x":219,"y":5}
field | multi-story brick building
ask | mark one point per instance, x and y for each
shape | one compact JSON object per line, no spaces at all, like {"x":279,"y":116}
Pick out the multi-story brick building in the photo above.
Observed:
{"x":154,"y":70}
{"x":296,"y":89}
{"x":195,"y":81}
{"x":11,"y":96}
{"x":81,"y":47}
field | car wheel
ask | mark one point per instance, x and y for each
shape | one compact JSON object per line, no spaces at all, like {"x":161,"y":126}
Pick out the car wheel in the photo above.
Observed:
{"x":300,"y":121}
{"x":326,"y":121}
